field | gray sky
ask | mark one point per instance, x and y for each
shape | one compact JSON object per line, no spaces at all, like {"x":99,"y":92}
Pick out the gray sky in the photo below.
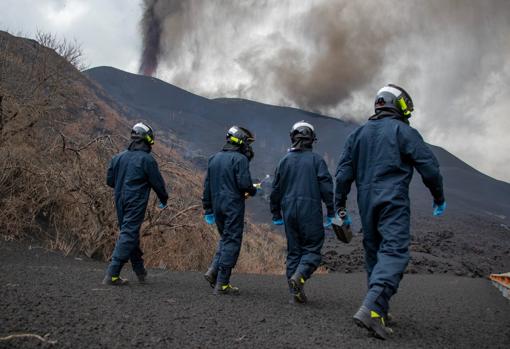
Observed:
{"x":320,"y":55}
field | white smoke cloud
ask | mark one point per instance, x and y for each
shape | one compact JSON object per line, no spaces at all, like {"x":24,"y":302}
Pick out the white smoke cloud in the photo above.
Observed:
{"x":331,"y":57}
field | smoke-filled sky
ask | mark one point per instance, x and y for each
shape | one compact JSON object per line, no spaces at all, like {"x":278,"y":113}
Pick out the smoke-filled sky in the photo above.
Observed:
{"x":328,"y":56}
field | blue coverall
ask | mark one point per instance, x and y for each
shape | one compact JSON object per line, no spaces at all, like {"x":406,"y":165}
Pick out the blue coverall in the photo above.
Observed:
{"x":228,"y":179}
{"x":301,"y":182}
{"x":132,"y":174}
{"x":380,"y":157}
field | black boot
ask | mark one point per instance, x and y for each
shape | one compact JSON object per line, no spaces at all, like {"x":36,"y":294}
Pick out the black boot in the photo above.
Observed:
{"x":142,"y":276}
{"x":227,"y":289}
{"x":210,"y":276}
{"x":297,"y":289}
{"x":223,"y":286}
{"x":114,"y":281}
{"x":373,"y":322}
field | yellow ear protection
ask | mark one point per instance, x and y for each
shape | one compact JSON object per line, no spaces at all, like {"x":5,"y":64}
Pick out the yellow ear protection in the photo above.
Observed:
{"x":403,"y":105}
{"x":404,"y":101}
{"x":236,"y":140}
{"x":149,"y":139}
{"x":247,"y":136}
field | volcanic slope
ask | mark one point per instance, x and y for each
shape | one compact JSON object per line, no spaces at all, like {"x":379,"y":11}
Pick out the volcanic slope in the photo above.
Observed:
{"x":473,"y":238}
{"x":203,"y":122}
{"x":45,"y":293}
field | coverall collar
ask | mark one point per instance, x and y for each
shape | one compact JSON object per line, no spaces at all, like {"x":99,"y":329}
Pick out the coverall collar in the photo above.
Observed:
{"x":246,"y":150}
{"x":381,"y":114}
{"x":139,"y":145}
{"x":231,"y":147}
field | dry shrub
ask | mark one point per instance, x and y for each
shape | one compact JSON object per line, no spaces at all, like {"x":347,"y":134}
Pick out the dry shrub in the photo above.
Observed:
{"x":58,"y":133}
{"x":71,"y":51}
{"x":262,"y":252}
{"x":52,"y":190}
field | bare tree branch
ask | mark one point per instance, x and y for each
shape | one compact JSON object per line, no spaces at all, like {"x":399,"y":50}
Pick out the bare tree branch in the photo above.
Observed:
{"x":28,"y":335}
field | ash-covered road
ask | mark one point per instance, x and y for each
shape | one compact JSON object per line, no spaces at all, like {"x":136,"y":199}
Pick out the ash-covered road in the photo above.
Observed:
{"x":45,"y":293}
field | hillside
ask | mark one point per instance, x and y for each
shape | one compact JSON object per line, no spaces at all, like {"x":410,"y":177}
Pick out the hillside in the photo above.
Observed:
{"x":58,"y":133}
{"x":201,"y":124}
{"x":472,"y":239}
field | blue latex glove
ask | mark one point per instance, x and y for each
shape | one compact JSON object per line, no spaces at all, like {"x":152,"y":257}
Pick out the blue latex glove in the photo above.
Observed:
{"x":278,"y":221}
{"x":347,"y":219}
{"x":209,"y":218}
{"x":439,"y":209}
{"x":329,"y":222}
{"x":162,"y":206}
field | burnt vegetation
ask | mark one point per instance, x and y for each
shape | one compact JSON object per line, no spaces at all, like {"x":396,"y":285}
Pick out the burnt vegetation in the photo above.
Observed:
{"x":58,"y":131}
{"x":71,"y":51}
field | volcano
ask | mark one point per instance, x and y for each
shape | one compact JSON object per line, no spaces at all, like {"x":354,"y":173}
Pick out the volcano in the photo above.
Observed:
{"x":473,"y":238}
{"x":201,"y":125}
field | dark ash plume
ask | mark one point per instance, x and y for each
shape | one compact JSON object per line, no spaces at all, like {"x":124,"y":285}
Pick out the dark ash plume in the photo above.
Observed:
{"x":331,"y":56}
{"x":155,"y":13}
{"x":346,"y":49}
{"x":151,"y":32}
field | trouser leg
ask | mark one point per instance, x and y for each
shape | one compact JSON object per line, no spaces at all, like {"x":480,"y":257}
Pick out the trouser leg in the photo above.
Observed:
{"x":128,"y":240}
{"x":293,"y":250}
{"x":311,"y":253}
{"x":219,"y":249}
{"x":311,"y":237}
{"x":136,"y":259}
{"x":392,"y":256}
{"x":371,"y":242}
{"x":231,"y":241}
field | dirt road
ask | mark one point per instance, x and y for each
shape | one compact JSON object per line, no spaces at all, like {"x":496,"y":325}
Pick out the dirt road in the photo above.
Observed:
{"x":45,"y":293}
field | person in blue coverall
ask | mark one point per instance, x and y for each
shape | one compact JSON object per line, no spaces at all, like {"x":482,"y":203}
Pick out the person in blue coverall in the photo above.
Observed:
{"x":301,"y":183}
{"x":380,"y":157}
{"x":132,"y":174}
{"x":227,"y":185}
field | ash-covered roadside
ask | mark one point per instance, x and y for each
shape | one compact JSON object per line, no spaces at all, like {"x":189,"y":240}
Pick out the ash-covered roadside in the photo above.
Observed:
{"x":62,"y":300}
